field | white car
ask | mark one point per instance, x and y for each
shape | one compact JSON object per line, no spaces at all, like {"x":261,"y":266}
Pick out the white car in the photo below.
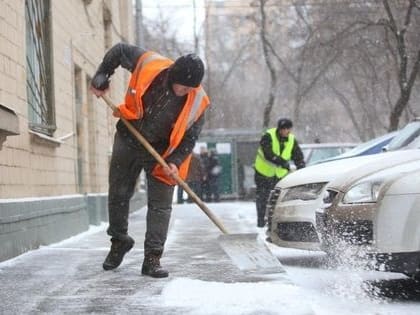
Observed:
{"x":292,"y":204}
{"x":374,"y":214}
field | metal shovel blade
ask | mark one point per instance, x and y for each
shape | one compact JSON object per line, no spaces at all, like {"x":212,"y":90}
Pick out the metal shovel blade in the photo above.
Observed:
{"x":249,"y":253}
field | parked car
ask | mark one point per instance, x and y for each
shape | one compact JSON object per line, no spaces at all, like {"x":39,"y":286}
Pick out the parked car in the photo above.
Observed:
{"x":405,"y":136}
{"x":374,"y":212}
{"x":314,"y":152}
{"x":373,"y":146}
{"x":292,"y":204}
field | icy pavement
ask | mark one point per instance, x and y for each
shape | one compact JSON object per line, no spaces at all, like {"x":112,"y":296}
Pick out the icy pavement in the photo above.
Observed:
{"x":67,"y":277}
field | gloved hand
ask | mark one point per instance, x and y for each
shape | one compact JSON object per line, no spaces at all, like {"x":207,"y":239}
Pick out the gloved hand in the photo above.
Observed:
{"x":100,"y":81}
{"x":281,"y":162}
{"x":286,"y":165}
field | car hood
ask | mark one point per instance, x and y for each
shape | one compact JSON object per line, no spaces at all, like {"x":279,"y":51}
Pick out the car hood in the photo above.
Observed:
{"x":385,"y":161}
{"x":329,"y":171}
{"x":397,"y":180}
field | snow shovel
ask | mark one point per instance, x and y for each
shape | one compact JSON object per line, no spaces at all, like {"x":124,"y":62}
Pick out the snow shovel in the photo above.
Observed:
{"x":245,"y":250}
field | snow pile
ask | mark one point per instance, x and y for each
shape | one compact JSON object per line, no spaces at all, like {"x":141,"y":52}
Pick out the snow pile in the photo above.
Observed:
{"x":203,"y":297}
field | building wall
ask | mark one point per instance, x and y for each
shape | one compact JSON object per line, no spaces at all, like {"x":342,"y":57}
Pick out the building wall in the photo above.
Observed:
{"x":28,"y":223}
{"x":52,"y":187}
{"x":31,"y":165}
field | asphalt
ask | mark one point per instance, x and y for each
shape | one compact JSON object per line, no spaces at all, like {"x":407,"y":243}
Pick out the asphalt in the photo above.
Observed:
{"x":67,"y":278}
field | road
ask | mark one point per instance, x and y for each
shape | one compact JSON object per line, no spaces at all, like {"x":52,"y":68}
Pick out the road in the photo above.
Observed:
{"x":67,"y":277}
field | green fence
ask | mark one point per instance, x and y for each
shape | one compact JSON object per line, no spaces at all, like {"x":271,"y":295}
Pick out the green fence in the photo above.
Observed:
{"x":236,"y":150}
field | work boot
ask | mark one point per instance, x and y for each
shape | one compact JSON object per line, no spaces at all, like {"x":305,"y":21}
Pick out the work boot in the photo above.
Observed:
{"x":118,"y":249}
{"x":151,"y":267}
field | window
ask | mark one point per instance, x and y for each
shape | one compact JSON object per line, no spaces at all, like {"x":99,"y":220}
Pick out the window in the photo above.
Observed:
{"x":41,"y":116}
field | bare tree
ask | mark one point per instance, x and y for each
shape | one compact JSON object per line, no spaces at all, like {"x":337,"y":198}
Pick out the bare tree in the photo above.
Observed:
{"x":298,"y":64}
{"x":232,"y":69}
{"x":408,"y":62}
{"x":310,"y":61}
{"x":161,"y":35}
{"x":374,"y":45}
{"x":268,"y":61}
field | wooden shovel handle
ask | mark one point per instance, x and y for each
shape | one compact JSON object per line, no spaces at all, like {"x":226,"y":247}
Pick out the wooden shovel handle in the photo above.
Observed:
{"x":163,"y":163}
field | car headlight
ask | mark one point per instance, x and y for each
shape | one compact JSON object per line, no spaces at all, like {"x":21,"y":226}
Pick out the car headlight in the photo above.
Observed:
{"x":363,"y":192}
{"x":303,"y":192}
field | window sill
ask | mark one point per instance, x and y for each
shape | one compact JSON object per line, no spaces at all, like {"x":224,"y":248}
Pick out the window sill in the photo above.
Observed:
{"x":44,"y":139}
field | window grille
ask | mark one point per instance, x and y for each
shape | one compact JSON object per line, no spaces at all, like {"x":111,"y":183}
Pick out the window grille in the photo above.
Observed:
{"x":39,"y":89}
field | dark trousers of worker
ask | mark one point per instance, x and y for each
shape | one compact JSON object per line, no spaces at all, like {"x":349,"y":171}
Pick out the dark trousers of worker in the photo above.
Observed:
{"x":180,"y":195}
{"x":212,"y":193}
{"x":127,"y":161}
{"x":264,"y":185}
{"x":195,"y":186}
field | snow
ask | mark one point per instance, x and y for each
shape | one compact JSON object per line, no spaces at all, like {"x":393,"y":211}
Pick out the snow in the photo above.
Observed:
{"x":234,"y":298}
{"x":93,"y":229}
{"x":324,"y":290}
{"x":310,"y":285}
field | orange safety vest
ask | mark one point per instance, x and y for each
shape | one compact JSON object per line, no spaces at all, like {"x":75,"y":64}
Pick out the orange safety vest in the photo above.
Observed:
{"x":149,"y":65}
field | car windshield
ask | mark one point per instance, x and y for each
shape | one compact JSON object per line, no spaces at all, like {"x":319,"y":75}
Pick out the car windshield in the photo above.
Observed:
{"x":323,"y":153}
{"x":306,"y":152}
{"x":368,"y":144}
{"x":405,"y":136}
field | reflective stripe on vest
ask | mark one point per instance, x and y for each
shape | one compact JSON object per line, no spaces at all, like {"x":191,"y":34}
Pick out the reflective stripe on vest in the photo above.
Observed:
{"x":195,"y":108}
{"x":193,"y":115}
{"x":197,"y":102}
{"x":268,"y":168}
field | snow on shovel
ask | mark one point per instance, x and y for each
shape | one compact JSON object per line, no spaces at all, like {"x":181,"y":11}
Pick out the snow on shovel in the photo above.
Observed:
{"x":245,"y":250}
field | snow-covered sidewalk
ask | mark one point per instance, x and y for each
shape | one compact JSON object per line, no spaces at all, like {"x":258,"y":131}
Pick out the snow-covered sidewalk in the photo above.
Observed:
{"x":68,"y":278}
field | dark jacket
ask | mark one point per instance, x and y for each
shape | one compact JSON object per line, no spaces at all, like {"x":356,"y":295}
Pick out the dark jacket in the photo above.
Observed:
{"x":195,"y":172}
{"x":161,"y":105}
{"x":297,"y":155}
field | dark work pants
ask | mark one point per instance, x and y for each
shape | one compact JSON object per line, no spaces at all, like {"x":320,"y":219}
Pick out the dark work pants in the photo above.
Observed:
{"x":213,"y":189}
{"x":180,"y":195}
{"x":264,"y":185}
{"x":127,"y":162}
{"x":195,"y":186}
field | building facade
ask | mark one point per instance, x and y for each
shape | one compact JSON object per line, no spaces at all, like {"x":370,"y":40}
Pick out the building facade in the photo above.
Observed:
{"x":56,"y":136}
{"x":49,"y":52}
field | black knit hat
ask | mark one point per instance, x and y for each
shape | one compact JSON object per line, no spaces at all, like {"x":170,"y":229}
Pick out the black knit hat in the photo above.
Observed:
{"x":187,"y":70}
{"x":284,"y":123}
